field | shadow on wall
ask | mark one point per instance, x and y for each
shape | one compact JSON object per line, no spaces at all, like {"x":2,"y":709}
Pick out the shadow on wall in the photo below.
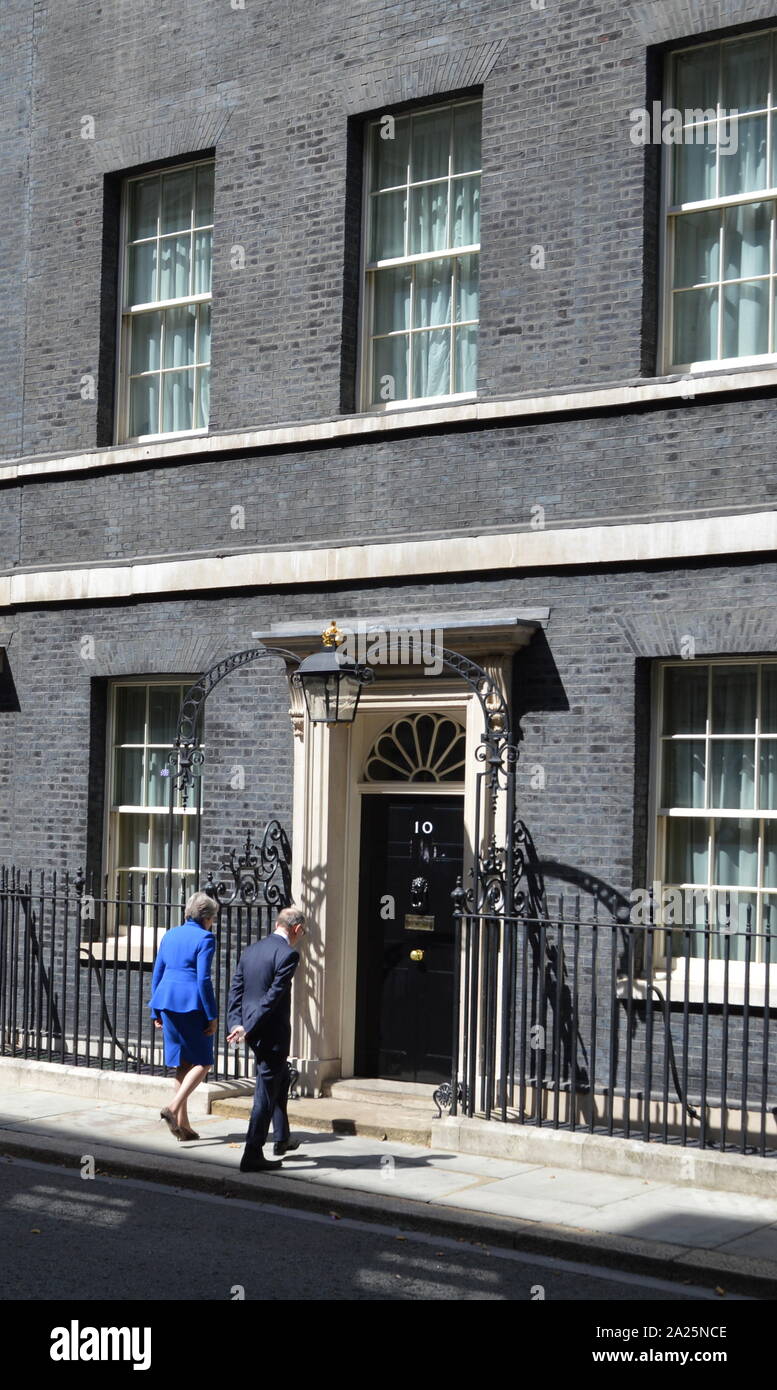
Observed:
{"x":537,"y":685}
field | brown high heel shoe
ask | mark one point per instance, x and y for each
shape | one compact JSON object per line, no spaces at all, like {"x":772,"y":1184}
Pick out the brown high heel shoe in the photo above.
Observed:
{"x":169,"y":1119}
{"x":186,"y":1134}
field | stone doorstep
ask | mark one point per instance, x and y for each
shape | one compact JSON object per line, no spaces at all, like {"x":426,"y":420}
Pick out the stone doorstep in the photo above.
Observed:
{"x":386,"y":1094}
{"x":335,"y":1116}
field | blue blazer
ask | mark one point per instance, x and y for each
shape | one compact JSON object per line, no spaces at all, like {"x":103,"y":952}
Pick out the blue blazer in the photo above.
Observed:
{"x":181,"y":979}
{"x":260,"y":993}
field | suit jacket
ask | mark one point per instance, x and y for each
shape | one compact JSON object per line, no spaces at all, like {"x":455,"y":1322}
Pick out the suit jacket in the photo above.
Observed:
{"x":181,"y":979}
{"x":260,"y":993}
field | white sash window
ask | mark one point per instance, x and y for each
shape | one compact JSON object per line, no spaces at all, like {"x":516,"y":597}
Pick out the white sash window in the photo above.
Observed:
{"x":164,"y":374}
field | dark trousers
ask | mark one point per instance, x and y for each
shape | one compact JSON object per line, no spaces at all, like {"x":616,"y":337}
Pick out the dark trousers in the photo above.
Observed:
{"x":270,"y":1101}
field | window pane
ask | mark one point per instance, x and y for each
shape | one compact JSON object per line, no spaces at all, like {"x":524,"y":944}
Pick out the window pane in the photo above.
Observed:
{"x":177,"y":400}
{"x":390,"y":157}
{"x":128,"y":777}
{"x":466,"y":211}
{"x":141,"y":288}
{"x":392,"y":300}
{"x":144,"y":208}
{"x":203,"y":341}
{"x":770,"y":856}
{"x":694,"y":171}
{"x":203,"y":262}
{"x":428,"y":218}
{"x":468,"y":288}
{"x":696,"y":246}
{"x":133,"y":842}
{"x":745,"y":75}
{"x":686,"y":850}
{"x":732,"y":909}
{"x":179,"y":336}
{"x":466,"y":138}
{"x":389,"y":211}
{"x":432,"y":294}
{"x":685,"y":700}
{"x":768,"y":788}
{"x":683,"y":783}
{"x":175,"y":258}
{"x":431,"y":143}
{"x":146,"y":336}
{"x":736,"y":852}
{"x":743,"y":167}
{"x":389,"y":369}
{"x":747,"y":231}
{"x":157,"y":786}
{"x":157,"y":843}
{"x":432,"y":363}
{"x":695,"y":326}
{"x":144,"y":406}
{"x":733,"y":699}
{"x":466,"y":359}
{"x":164,"y":704}
{"x":746,"y":319}
{"x":696,"y":77}
{"x":203,"y":214}
{"x":189,"y":848}
{"x":769,"y":700}
{"x":203,"y":399}
{"x":177,"y":199}
{"x":130,"y":724}
{"x":733,"y":774}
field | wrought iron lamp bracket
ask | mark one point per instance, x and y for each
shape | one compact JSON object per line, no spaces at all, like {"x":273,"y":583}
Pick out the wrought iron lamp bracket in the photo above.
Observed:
{"x":186,"y":753}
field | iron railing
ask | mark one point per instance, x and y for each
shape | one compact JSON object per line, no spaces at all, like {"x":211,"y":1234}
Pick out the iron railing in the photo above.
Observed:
{"x":76,"y":964}
{"x":657,"y":1032}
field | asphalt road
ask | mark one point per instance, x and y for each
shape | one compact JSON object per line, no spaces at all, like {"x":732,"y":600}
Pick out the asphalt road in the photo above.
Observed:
{"x":65,"y":1237}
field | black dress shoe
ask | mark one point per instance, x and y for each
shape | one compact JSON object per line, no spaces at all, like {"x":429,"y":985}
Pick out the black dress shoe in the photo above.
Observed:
{"x":249,"y":1164}
{"x":287,"y":1148}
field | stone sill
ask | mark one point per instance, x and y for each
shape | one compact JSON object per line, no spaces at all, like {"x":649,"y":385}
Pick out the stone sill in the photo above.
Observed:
{"x":715,"y":992}
{"x":658,"y":391}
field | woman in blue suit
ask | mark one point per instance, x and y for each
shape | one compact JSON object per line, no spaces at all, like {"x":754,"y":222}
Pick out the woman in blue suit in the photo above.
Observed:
{"x":183,"y":1005}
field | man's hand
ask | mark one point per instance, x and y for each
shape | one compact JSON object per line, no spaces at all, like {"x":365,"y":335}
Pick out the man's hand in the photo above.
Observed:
{"x":157,"y":1023}
{"x":237,"y":1034}
{"x":211,"y":1028}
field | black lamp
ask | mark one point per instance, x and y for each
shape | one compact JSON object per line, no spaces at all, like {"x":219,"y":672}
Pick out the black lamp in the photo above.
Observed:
{"x":331,"y":684}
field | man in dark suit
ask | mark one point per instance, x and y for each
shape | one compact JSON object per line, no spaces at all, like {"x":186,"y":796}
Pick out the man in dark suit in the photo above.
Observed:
{"x":259,"y":1009}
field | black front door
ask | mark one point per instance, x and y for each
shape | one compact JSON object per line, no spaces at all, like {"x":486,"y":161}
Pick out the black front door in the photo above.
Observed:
{"x":411,"y":855}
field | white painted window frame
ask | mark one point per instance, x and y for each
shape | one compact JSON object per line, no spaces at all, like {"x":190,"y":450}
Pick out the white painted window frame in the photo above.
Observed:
{"x":366,"y":278}
{"x":656,"y":858}
{"x":127,"y":311}
{"x":112,"y":813}
{"x":670,"y":210}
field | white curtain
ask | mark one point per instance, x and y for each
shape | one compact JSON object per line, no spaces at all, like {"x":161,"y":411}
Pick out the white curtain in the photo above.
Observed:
{"x":466,"y":212}
{"x":428,"y":218}
{"x":389,"y":212}
{"x":202,"y":262}
{"x":432,"y":363}
{"x":177,"y":400}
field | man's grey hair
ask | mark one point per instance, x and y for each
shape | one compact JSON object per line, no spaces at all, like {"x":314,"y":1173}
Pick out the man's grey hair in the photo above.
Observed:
{"x":290,"y":917}
{"x":201,"y":907}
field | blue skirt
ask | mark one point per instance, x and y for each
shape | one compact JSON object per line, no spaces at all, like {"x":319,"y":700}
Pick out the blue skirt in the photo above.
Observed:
{"x":184,"y":1038}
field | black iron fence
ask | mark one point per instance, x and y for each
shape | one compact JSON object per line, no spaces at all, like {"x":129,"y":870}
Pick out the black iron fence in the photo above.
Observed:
{"x":76,"y":961}
{"x":652,"y":1031}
